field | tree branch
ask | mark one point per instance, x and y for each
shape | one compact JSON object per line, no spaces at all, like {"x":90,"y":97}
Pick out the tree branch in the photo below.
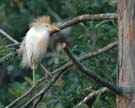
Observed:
{"x":90,"y":73}
{"x":8,"y":36}
{"x":6,"y":57}
{"x":92,"y":95}
{"x":9,"y":45}
{"x":43,"y":91}
{"x":89,"y":55}
{"x":87,"y":17}
{"x":26,"y":93}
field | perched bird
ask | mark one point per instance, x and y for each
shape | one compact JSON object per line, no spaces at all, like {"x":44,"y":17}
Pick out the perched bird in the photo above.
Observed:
{"x":35,"y":43}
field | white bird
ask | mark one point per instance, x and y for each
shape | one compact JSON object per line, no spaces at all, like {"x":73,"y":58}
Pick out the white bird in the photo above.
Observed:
{"x":35,"y":43}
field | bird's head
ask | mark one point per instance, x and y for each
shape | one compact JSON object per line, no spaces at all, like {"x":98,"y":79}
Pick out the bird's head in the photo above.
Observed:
{"x":44,"y":22}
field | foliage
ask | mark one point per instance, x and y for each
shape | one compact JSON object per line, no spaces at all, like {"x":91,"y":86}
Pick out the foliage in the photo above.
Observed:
{"x":15,"y":15}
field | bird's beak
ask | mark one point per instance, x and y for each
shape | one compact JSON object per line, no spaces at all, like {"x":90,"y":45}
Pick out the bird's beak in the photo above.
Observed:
{"x":52,"y":27}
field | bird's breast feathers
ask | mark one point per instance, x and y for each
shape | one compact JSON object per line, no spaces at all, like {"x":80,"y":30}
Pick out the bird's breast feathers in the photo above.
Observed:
{"x":36,"y":44}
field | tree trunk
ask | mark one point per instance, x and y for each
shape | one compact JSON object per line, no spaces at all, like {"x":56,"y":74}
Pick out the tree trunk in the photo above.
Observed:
{"x":126,"y":32}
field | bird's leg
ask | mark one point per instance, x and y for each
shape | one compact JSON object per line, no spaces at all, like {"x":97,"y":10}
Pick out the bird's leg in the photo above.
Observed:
{"x":34,"y":77}
{"x":49,"y":73}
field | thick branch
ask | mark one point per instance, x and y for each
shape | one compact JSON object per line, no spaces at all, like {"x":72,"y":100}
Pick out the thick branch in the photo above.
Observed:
{"x":92,"y":95}
{"x":88,"y":55}
{"x":87,"y":17}
{"x":90,"y":73}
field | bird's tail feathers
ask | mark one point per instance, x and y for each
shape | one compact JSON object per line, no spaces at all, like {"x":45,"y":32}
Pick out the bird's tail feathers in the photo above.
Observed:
{"x":24,"y":63}
{"x":22,"y":52}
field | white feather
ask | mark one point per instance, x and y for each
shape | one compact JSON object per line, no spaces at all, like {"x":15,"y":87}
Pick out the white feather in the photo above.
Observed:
{"x":31,"y":41}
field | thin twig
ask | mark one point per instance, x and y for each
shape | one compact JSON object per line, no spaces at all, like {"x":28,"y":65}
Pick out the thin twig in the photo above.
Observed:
{"x":26,"y":93}
{"x":92,"y":95}
{"x":8,"y":36}
{"x":7,"y":57}
{"x":45,"y":70}
{"x":10,"y":45}
{"x":89,"y":72}
{"x":43,"y":91}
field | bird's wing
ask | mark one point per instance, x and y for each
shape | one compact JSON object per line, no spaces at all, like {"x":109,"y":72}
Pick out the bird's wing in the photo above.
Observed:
{"x":22,"y":52}
{"x":30,"y":46}
{"x":27,"y":49}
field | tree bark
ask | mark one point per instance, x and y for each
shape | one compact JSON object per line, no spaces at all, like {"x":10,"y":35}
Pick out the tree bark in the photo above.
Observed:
{"x":126,"y":35}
